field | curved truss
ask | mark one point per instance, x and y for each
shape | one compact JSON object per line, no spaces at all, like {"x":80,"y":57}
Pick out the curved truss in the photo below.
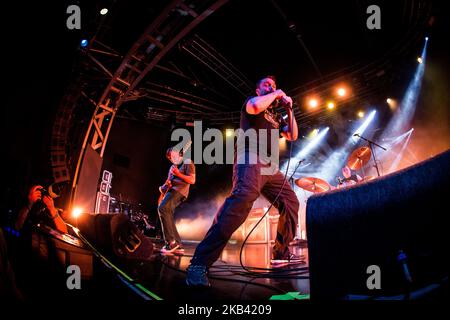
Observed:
{"x":159,"y":37}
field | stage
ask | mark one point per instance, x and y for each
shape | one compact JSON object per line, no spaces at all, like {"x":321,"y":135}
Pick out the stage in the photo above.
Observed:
{"x":164,"y":275}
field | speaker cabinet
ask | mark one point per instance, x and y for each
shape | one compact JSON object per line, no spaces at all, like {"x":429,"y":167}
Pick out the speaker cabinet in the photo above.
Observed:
{"x":368,"y":224}
{"x":115,"y":235}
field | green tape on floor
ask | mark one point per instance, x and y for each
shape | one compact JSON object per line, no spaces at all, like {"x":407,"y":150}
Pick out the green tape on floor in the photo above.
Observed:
{"x":290,"y":296}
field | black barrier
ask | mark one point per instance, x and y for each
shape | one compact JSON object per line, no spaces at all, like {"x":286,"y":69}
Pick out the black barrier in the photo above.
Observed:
{"x":385,"y":237}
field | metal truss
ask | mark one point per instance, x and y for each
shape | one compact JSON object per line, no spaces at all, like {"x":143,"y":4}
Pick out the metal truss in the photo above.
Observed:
{"x":174,"y":22}
{"x":207,"y":55}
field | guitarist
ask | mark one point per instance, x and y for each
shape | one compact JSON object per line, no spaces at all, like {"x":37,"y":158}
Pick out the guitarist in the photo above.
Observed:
{"x":174,"y":191}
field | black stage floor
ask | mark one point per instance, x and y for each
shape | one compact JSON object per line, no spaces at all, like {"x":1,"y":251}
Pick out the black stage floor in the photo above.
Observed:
{"x":164,"y":275}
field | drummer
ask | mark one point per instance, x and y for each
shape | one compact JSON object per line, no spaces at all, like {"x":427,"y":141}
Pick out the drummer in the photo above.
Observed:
{"x":350,"y":178}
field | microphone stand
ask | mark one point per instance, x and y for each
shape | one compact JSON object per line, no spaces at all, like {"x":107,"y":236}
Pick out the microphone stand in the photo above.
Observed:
{"x":297,"y":241}
{"x":371,"y":144}
{"x":291,"y":180}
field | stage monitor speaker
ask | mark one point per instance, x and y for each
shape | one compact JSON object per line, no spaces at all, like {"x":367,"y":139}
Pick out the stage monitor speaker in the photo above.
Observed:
{"x":115,"y":235}
{"x":356,"y":235}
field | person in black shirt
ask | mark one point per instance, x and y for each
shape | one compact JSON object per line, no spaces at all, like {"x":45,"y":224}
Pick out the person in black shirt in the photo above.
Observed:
{"x":349,"y":178}
{"x":174,"y":191}
{"x":249,"y":181}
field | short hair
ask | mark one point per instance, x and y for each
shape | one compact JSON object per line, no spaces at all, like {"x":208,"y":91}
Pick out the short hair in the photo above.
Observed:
{"x":169,"y":150}
{"x":266,"y":77}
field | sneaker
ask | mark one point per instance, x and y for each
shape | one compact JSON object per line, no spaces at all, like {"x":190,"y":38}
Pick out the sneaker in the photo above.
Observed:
{"x":196,"y":276}
{"x":287,"y":259}
{"x":169,"y":248}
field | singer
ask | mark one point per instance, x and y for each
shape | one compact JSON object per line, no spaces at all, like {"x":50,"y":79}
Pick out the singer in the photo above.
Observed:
{"x":258,"y":113}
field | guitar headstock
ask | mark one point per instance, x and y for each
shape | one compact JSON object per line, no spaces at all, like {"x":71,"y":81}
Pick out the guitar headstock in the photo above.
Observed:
{"x":186,"y":147}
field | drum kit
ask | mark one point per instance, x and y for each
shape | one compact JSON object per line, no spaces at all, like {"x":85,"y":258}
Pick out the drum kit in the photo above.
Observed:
{"x":357,"y":160}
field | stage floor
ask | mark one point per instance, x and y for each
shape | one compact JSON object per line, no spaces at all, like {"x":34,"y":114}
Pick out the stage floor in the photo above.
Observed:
{"x":165,"y":275}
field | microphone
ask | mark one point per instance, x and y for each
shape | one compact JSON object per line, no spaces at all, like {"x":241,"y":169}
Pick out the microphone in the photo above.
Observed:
{"x":303,"y":160}
{"x":401,"y":258}
{"x":356,"y":135}
{"x":283,"y":101}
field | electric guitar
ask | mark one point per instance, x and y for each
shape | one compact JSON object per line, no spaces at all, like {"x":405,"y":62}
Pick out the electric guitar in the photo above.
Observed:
{"x":165,"y":188}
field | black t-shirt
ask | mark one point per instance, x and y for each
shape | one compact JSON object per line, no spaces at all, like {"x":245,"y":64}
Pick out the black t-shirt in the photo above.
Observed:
{"x":266,"y":120}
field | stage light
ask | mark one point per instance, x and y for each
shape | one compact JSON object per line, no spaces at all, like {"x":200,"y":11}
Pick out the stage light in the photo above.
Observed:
{"x":392,"y":103}
{"x":426,"y":38}
{"x":84,"y":43}
{"x":341,"y":92}
{"x":229,"y":132}
{"x":361,"y":114}
{"x":313,"y":103}
{"x":313,"y":143}
{"x":313,"y":134}
{"x":419,"y":60}
{"x":103,"y":11}
{"x":330,"y":105}
{"x":365,"y":124}
{"x":401,"y":120}
{"x":76,"y":212}
{"x":309,"y":147}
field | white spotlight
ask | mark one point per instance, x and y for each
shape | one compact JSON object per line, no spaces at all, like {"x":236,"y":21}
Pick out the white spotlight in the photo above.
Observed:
{"x":306,"y":150}
{"x":366,"y":123}
{"x":76,"y":212}
{"x":103,"y":11}
{"x":313,"y":143}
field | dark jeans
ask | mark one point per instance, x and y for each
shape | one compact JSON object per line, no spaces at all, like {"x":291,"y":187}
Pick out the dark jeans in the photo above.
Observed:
{"x":248,"y":183}
{"x":166,"y":211}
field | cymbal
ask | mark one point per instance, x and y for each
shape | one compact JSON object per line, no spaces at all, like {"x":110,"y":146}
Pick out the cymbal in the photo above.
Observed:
{"x":359,"y":158}
{"x":312,"y":184}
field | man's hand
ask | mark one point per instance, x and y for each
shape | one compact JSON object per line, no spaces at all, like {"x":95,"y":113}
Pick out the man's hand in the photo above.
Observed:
{"x":34,"y":195}
{"x":287,"y":102}
{"x":279,"y":94}
{"x":48,"y":201}
{"x":166,"y":185}
{"x":174,"y":170}
{"x":260,"y":103}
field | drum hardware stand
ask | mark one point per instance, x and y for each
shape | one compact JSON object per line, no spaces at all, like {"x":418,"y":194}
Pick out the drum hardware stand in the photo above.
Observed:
{"x":371,"y":144}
